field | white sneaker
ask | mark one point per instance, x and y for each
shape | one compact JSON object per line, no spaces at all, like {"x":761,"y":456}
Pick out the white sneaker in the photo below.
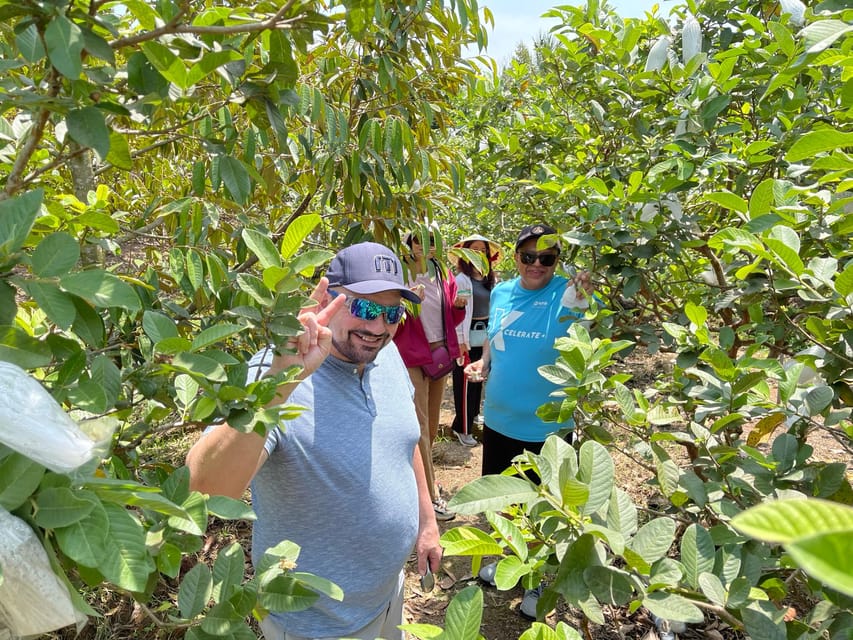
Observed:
{"x":466,"y":439}
{"x":487,"y":573}
{"x":529,"y":602}
{"x":442,"y":513}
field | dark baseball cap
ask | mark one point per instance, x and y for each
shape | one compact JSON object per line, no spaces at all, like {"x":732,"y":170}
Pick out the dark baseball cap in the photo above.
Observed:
{"x":536,"y":231}
{"x":369,"y":267}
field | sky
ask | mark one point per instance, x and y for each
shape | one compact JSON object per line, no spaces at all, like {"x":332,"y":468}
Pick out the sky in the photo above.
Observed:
{"x":519,"y":20}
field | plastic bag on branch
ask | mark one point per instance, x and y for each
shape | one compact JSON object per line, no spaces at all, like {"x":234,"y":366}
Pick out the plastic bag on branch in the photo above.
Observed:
{"x":33,"y":423}
{"x":32,"y":598}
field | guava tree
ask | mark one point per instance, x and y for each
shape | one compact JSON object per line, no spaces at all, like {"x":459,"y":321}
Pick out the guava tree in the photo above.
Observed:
{"x":699,"y":166}
{"x":172,"y":174}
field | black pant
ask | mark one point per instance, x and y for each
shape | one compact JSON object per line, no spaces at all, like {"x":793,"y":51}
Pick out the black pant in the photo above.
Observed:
{"x":499,"y":450}
{"x":473,"y":397}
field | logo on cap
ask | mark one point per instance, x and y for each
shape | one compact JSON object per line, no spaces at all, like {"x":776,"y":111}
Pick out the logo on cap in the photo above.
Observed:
{"x":538,"y":230}
{"x":385,"y":264}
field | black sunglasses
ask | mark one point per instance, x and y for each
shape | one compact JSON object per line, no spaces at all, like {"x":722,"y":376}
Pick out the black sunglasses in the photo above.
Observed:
{"x":545,"y":259}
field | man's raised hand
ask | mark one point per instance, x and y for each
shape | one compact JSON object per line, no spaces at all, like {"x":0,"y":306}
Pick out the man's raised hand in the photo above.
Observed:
{"x":311,"y":347}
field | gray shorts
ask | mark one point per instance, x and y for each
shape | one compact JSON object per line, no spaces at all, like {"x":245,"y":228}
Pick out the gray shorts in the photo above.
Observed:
{"x":385,"y":625}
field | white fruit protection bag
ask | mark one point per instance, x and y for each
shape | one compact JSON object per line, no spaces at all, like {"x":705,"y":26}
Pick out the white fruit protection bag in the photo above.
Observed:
{"x":33,"y":423}
{"x":33,"y":599}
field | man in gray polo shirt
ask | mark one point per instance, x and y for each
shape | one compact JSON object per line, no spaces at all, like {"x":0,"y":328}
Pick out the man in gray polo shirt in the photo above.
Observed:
{"x":345,"y":479}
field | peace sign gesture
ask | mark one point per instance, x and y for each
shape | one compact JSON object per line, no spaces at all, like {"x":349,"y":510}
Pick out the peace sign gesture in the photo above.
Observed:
{"x":311,"y":347}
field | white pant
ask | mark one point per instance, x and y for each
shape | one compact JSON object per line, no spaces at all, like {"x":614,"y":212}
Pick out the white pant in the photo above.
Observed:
{"x":383,"y":626}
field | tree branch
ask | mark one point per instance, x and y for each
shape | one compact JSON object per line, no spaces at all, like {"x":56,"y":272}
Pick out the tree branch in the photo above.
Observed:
{"x":275,"y":22}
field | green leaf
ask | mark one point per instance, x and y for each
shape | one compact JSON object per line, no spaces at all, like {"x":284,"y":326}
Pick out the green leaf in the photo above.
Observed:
{"x":195,"y":516}
{"x":84,"y":540}
{"x":822,"y":34}
{"x":17,"y":347}
{"x":759,"y":625}
{"x":653,"y":539}
{"x":64,"y":45}
{"x":119,"y":154}
{"x":169,"y":560}
{"x":713,"y":588}
{"x":29,"y":44}
{"x":124,"y":558}
{"x":8,"y":304}
{"x":819,"y":398}
{"x":728,"y":200}
{"x":229,"y":508}
{"x":492,"y":493}
{"x":200,"y":365}
{"x":465,"y":614}
{"x":673,"y":607}
{"x":827,"y":557}
{"x":57,"y":305}
{"x":609,"y":585}
{"x":255,"y":288}
{"x":19,"y":477}
{"x":285,"y":593}
{"x":88,"y":325}
{"x":595,"y":468}
{"x":236,"y":178}
{"x":261,"y":245}
{"x":820,"y":141}
{"x":786,"y":521}
{"x":215,"y":334}
{"x":785,"y":243}
{"x":166,"y":62}
{"x":158,"y":326}
{"x":195,"y":591}
{"x":102,"y":289}
{"x":297,"y":232}
{"x":61,"y":507}
{"x":143,"y":77}
{"x":844,"y":281}
{"x":96,"y":46}
{"x":88,"y":127}
{"x":17,"y":216}
{"x":55,"y":255}
{"x":698,"y":315}
{"x":469,"y":541}
{"x":228,"y":571}
{"x":209,"y":62}
{"x":510,"y":533}
{"x":761,"y":199}
{"x":309,"y":261}
{"x":697,"y":554}
{"x":621,"y":513}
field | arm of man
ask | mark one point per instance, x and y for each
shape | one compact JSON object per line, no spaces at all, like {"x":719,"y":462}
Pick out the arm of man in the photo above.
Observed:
{"x":224,"y":461}
{"x":427,"y":546}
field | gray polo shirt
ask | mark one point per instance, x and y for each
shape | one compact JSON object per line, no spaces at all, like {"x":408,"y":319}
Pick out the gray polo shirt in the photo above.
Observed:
{"x":339,"y":482}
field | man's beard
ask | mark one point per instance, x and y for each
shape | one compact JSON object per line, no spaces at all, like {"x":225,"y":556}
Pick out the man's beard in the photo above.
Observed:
{"x":360,"y":353}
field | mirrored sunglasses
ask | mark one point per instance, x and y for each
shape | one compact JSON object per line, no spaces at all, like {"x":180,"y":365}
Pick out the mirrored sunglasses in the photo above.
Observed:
{"x":368,"y":310}
{"x":545,"y":259}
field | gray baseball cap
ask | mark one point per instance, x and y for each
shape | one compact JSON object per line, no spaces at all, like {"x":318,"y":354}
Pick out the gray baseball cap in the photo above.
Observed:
{"x":369,"y":267}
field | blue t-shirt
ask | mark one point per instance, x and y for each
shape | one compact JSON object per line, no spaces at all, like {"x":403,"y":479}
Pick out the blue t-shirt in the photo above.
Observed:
{"x":339,"y":482}
{"x":523,"y":325}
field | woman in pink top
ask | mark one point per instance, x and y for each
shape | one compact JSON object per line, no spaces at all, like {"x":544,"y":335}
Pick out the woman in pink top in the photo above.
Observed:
{"x":435,"y":326}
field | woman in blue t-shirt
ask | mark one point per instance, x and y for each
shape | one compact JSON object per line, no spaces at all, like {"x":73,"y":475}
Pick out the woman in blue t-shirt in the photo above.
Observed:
{"x":526,"y":315}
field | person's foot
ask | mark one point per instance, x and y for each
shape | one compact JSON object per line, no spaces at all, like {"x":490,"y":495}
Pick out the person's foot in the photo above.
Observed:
{"x":487,"y":573}
{"x":529,"y":602}
{"x":466,"y":439}
{"x":442,"y":513}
